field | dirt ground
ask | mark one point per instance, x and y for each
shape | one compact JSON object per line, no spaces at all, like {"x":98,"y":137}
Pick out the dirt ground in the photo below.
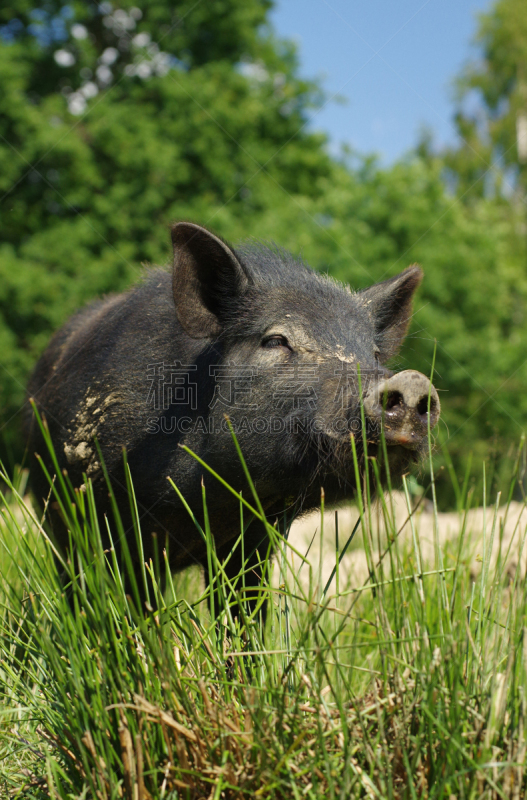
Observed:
{"x":504,"y":529}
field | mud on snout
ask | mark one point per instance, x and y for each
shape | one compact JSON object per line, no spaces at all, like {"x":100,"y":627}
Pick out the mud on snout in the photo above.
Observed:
{"x":403,"y":409}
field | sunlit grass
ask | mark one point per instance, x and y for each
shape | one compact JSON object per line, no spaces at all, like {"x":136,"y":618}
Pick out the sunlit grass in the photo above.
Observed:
{"x":411,"y":685}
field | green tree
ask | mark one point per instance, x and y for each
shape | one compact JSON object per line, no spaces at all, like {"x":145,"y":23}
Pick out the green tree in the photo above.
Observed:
{"x":116,"y":121}
{"x":487,"y":173}
{"x":491,"y":116}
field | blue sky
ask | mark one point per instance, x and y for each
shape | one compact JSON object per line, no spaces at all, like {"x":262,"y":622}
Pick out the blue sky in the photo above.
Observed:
{"x":392,"y":60}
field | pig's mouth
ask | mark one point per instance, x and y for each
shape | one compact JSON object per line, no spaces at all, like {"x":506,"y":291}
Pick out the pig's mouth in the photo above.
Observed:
{"x":401,"y":452}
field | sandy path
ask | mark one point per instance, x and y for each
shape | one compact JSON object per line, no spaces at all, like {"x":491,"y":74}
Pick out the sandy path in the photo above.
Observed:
{"x":510,"y":524}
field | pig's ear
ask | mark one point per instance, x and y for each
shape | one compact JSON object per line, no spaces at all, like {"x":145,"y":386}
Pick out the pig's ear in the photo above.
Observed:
{"x":390,"y":304}
{"x":206,"y":280}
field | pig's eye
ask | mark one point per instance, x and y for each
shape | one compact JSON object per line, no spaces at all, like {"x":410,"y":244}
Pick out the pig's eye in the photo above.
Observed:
{"x":276,"y":341}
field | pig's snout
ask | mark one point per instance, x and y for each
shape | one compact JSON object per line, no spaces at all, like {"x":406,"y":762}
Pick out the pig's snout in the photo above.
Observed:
{"x":400,"y":405}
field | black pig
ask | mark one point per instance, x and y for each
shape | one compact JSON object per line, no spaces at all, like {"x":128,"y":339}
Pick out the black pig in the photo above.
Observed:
{"x":250,"y":333}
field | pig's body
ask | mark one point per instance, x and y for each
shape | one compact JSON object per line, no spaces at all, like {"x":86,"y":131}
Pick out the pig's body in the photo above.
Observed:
{"x":253,"y":334}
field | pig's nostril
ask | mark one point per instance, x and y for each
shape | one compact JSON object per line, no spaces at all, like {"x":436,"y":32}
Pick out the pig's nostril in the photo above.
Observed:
{"x":422,"y":406}
{"x":392,"y":400}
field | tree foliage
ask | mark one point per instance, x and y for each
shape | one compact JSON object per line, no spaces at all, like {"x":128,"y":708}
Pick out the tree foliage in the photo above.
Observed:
{"x":107,"y":135}
{"x":491,"y":114}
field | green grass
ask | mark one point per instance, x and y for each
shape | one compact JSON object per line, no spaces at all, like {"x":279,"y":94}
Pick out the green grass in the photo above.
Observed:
{"x":410,"y":686}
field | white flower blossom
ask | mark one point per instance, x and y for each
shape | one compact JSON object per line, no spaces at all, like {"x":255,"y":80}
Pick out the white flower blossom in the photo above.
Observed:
{"x":109,"y":55}
{"x":79,"y":31}
{"x":143,"y":70}
{"x":89,"y":89}
{"x":64,"y":58}
{"x":162,"y":63}
{"x":76,"y":103}
{"x":141,"y":39}
{"x":104,"y":74}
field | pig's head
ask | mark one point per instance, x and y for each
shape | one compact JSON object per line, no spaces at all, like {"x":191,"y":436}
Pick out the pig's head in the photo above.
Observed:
{"x":301,"y":358}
